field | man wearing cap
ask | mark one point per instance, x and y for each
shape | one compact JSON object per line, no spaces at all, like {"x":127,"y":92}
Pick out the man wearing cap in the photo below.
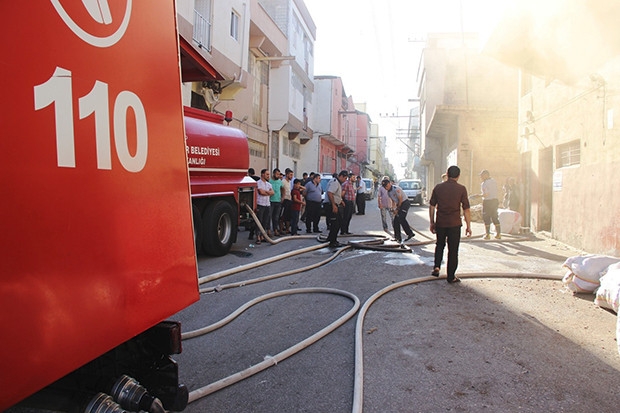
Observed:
{"x":490,"y":202}
{"x":444,"y":210}
{"x":335,"y":208}
{"x":402,"y":205}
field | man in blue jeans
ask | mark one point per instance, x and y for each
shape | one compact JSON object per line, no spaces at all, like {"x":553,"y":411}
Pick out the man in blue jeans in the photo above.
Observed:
{"x":401,"y":207}
{"x":445,"y":220}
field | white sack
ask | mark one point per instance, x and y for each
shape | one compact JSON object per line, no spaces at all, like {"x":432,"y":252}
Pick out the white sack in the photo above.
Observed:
{"x":510,"y":221}
{"x":618,"y":334}
{"x":590,"y":267}
{"x":578,"y":285}
{"x":608,"y":294}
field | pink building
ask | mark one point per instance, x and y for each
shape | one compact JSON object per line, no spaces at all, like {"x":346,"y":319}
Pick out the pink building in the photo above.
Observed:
{"x":343,"y":131}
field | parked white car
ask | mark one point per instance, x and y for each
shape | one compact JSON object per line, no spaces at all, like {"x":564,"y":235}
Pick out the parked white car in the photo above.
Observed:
{"x":413,"y":189}
{"x":370,"y":188}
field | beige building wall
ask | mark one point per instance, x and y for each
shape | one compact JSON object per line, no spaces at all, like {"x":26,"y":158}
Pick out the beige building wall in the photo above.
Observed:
{"x":468,"y":111}
{"x":571,"y":135}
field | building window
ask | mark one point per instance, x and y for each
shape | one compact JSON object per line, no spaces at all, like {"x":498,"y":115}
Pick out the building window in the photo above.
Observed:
{"x":295,"y":150}
{"x":568,"y":154}
{"x":257,"y":70}
{"x":202,"y":23}
{"x":257,"y":149}
{"x":234,"y":25}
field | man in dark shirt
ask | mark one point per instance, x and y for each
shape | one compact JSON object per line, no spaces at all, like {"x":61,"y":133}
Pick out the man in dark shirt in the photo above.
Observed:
{"x":445,"y":220}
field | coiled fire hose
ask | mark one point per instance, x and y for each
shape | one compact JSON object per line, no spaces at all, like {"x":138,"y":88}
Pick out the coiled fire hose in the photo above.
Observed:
{"x":273,"y":360}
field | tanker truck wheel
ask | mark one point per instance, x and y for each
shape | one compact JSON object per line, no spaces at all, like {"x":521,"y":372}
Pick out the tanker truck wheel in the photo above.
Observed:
{"x":197,"y":228}
{"x":219,"y":223}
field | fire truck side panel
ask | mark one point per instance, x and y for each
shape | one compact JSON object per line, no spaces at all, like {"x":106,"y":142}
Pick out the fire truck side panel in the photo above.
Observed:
{"x":96,"y":237}
{"x":218,"y":159}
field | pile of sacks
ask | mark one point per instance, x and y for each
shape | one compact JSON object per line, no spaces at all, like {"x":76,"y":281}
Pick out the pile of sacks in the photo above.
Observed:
{"x":598,"y":274}
{"x":509,"y":220}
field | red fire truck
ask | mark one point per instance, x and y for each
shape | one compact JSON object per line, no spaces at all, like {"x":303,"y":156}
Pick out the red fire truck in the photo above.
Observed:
{"x":98,"y":242}
{"x":218,"y":159}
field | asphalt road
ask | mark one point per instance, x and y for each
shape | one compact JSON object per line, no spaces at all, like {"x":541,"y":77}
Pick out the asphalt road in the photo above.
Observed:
{"x":489,"y":343}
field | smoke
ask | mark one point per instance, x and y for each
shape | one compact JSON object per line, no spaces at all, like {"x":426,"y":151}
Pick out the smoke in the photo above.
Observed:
{"x":557,"y":39}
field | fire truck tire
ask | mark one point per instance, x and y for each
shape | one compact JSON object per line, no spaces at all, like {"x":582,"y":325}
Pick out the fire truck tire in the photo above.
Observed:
{"x":219,"y":224}
{"x":197,"y":228}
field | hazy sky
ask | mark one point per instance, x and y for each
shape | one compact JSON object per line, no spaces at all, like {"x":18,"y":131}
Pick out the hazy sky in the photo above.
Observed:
{"x":374,"y":46}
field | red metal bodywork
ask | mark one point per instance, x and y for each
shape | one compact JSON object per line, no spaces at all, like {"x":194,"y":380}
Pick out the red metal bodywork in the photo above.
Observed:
{"x":218,"y":156}
{"x":94,"y":253}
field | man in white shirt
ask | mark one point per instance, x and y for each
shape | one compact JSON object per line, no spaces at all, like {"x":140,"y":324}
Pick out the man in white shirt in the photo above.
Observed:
{"x":490,"y":203}
{"x":360,"y":198}
{"x":263,"y":204}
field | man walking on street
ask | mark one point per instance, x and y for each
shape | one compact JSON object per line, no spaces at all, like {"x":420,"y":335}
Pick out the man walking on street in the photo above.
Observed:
{"x":401,"y":204}
{"x":490,"y":203}
{"x":335,"y":208}
{"x":444,"y":210}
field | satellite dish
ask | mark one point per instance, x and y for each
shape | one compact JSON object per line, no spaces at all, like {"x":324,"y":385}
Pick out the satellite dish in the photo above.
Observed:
{"x":530,"y":116}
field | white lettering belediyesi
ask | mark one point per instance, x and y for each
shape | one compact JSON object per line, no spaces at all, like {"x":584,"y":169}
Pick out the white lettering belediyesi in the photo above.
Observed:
{"x":201,"y":150}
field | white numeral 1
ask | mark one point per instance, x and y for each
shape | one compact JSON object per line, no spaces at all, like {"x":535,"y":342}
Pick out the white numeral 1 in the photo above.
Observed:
{"x":58,"y":90}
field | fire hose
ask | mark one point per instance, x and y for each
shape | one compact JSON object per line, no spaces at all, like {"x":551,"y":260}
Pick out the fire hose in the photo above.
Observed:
{"x":372,"y":244}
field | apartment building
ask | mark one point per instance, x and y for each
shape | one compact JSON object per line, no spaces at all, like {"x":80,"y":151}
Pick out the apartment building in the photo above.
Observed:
{"x":229,"y":48}
{"x":291,"y":86}
{"x":342,"y":131}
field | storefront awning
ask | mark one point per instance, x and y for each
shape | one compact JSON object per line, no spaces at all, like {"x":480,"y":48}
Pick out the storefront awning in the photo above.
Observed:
{"x":194,"y":67}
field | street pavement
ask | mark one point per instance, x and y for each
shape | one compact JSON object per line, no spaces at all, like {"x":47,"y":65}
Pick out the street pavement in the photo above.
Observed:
{"x":418,"y":354}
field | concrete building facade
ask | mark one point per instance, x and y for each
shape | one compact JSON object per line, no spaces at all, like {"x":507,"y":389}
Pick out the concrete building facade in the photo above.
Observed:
{"x":468,"y":112}
{"x":568,"y":132}
{"x":291,"y":85}
{"x":246,"y":44}
{"x":256,"y":59}
{"x":343,"y":132}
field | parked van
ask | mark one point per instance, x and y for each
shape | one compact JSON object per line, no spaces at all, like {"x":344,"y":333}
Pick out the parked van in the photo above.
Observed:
{"x":370,"y":188}
{"x":413,"y":189}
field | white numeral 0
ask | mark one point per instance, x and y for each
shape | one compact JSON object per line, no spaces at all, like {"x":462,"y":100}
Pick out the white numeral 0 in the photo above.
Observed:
{"x":58,"y":90}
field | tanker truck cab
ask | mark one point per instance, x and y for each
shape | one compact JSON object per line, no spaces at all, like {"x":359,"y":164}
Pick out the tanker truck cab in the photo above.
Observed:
{"x":218,"y":159}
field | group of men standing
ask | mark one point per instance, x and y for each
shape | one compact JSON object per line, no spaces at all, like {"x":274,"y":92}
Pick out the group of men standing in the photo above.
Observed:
{"x":338,"y":203}
{"x":277,"y":204}
{"x":448,"y":198}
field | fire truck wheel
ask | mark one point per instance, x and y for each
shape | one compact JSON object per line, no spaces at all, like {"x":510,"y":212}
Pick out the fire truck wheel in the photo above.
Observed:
{"x":197,"y":228}
{"x":219,"y":223}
